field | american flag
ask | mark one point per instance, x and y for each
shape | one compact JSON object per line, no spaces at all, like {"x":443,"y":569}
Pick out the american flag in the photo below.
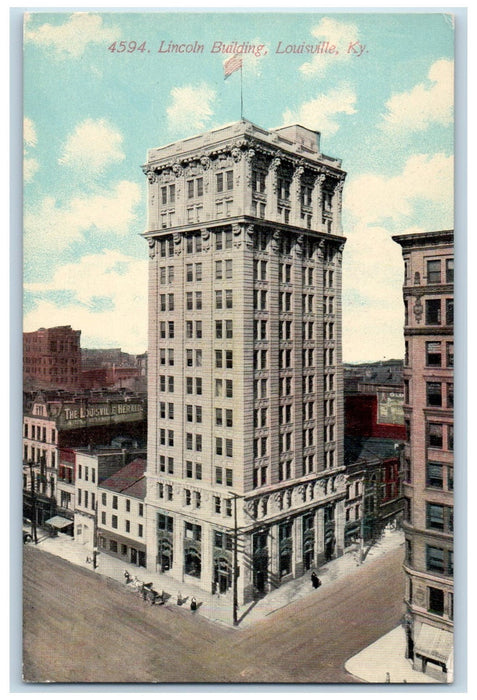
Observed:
{"x":232,"y":64}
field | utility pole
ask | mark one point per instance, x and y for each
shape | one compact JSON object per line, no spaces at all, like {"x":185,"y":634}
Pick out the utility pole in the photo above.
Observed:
{"x":235,"y":572}
{"x":33,"y":505}
{"x":95,"y":533}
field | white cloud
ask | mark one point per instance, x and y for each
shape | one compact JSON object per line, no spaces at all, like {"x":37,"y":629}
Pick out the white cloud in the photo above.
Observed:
{"x":337,"y":33}
{"x":320,"y":113}
{"x":71,"y":38}
{"x":30,"y":168}
{"x":29,"y":133}
{"x":191,"y":107}
{"x":374,"y":198}
{"x":425,"y":104}
{"x":30,"y":139}
{"x":376,"y":207}
{"x":93,"y":145}
{"x":117,"y":277}
{"x":53,"y":227}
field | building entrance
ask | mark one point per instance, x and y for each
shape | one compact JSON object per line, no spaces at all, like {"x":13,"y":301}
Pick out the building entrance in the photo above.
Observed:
{"x":164,"y":555}
{"x":222,"y":575}
{"x":260,"y":563}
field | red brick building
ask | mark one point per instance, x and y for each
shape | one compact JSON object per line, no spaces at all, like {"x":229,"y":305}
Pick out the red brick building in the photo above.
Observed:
{"x":52,"y":358}
{"x":428,"y":487}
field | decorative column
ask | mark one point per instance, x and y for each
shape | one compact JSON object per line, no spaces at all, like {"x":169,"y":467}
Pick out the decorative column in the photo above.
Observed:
{"x":208,"y":175}
{"x":247,"y":189}
{"x":317,"y":199}
{"x":337,"y":206}
{"x":274,"y":573}
{"x":320,"y":536}
{"x":272,"y":189}
{"x":153,"y":199}
{"x":340,"y":523}
{"x":298,"y":545}
{"x":295,"y":196}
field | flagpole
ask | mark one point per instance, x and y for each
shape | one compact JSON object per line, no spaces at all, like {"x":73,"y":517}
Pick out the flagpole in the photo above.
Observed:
{"x":241,"y":91}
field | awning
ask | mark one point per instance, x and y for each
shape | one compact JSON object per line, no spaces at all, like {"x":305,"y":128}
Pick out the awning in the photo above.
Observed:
{"x":434,"y":643}
{"x":59,"y":522}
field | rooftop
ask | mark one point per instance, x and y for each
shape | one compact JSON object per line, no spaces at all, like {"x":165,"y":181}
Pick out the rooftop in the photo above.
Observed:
{"x":296,"y":139}
{"x":129,"y":480}
{"x":357,"y":449}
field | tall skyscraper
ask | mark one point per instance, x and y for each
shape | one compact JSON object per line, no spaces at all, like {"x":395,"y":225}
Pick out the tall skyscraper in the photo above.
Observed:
{"x":245,"y":384}
{"x":428,"y":460}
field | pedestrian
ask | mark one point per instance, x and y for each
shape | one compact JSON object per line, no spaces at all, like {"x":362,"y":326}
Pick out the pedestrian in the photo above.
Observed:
{"x":144,"y":592}
{"x":315,"y":581}
{"x":179,"y":598}
{"x":127,"y":576}
{"x":193,"y":604}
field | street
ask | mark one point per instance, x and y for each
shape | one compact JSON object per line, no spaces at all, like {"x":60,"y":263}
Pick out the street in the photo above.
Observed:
{"x":81,"y":627}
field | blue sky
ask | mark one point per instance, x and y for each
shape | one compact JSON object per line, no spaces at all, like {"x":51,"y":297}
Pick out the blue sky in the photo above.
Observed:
{"x":90,"y":114}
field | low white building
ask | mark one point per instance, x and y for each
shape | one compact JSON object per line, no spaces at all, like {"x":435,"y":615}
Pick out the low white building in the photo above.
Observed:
{"x":121,"y":514}
{"x":93,"y":466}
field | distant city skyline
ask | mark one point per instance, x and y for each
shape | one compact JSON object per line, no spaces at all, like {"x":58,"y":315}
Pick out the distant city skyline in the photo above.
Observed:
{"x":91,"y":111}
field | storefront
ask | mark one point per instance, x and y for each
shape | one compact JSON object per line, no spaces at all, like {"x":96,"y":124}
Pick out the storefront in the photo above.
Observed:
{"x":433,"y":652}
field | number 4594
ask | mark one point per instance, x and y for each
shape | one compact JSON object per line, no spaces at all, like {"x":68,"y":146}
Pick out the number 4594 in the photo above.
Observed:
{"x":128,"y":46}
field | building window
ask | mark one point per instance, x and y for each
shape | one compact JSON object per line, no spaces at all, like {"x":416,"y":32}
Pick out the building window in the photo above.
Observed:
{"x":114,"y":522}
{"x":434,"y":475}
{"x":433,"y":354}
{"x":434,"y":435}
{"x":433,"y":272}
{"x":434,"y":393}
{"x":439,"y":517}
{"x":449,"y":312}
{"x":115,"y":502}
{"x":450,"y":437}
{"x":436,"y":601}
{"x":433,"y":312}
{"x":435,"y":559}
{"x":450,"y":271}
{"x":128,"y":526}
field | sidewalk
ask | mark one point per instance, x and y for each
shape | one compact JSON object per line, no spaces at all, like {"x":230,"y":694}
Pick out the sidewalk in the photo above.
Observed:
{"x":386,"y":656}
{"x":217,"y":608}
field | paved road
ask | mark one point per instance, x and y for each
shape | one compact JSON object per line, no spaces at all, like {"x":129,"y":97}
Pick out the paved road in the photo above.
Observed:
{"x":79,"y":626}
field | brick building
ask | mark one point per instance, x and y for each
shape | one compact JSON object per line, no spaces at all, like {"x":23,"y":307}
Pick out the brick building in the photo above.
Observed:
{"x":244,"y":365}
{"x":52,"y":358}
{"x":56,"y":422}
{"x":428,"y":459}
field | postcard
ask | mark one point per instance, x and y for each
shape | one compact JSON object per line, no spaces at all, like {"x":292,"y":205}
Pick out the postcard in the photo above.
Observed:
{"x":238,"y":347}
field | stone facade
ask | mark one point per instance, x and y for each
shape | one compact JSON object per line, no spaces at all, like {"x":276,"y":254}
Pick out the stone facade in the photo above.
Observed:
{"x":428,"y":458}
{"x":245,"y":381}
